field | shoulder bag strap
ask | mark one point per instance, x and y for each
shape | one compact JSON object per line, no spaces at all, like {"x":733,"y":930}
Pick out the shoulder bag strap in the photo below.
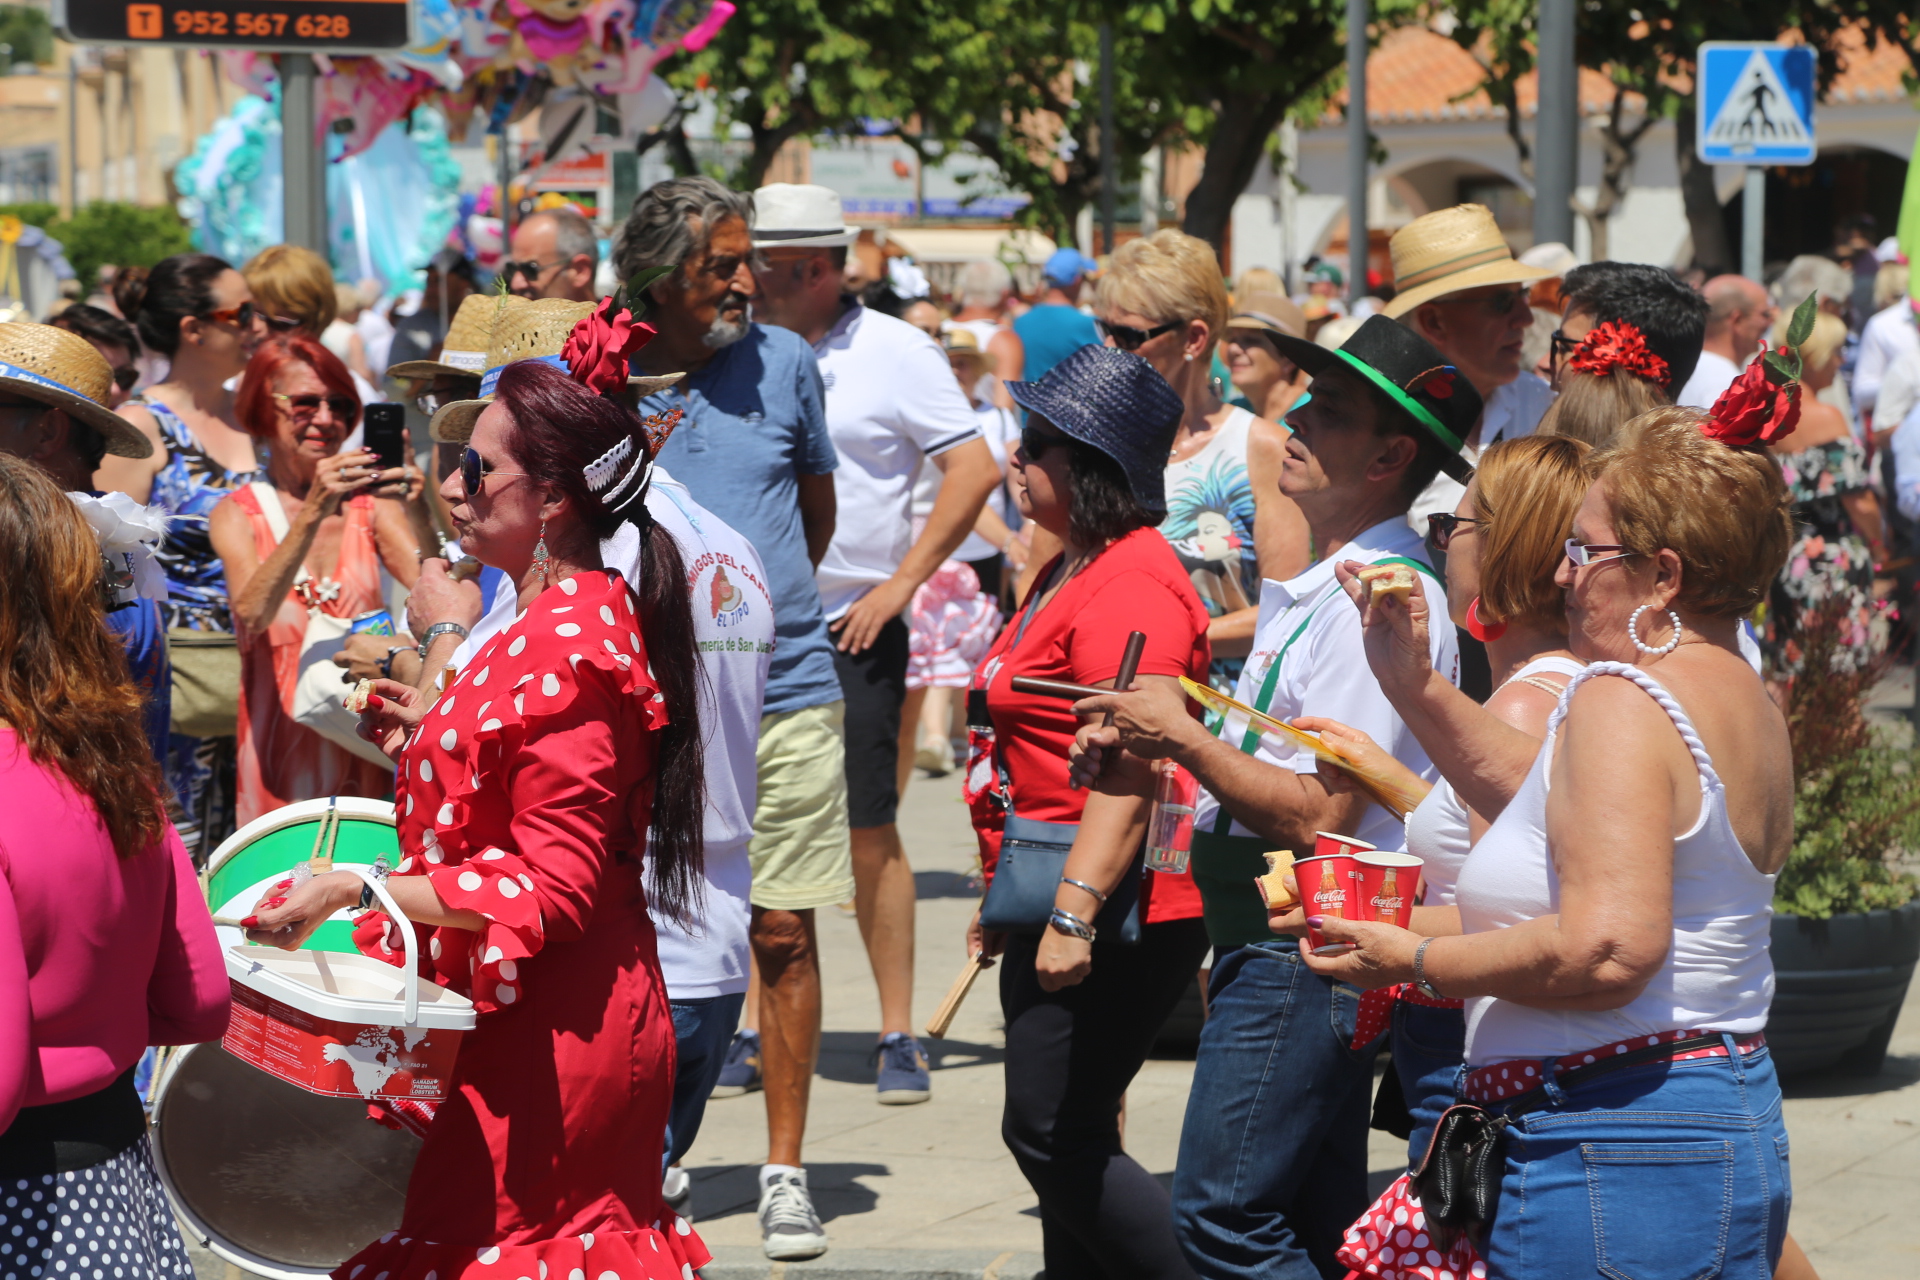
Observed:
{"x":268,"y":499}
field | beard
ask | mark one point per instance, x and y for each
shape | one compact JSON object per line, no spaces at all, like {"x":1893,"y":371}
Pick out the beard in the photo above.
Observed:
{"x":724,"y":332}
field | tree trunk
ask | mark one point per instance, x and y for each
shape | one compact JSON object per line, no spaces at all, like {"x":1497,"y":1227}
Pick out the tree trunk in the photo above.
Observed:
{"x":1240,"y":134}
{"x":1712,"y":247}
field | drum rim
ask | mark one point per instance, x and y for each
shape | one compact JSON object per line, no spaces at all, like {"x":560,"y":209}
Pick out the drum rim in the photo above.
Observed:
{"x":199,"y":1228}
{"x":359,"y":807}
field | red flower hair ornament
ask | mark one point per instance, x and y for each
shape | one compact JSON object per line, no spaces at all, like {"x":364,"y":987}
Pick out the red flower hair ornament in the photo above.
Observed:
{"x":1618,"y":344}
{"x":1763,"y":404}
{"x":599,"y":348}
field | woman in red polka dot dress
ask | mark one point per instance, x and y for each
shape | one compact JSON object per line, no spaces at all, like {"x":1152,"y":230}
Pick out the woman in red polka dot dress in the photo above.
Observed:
{"x":525,"y":797}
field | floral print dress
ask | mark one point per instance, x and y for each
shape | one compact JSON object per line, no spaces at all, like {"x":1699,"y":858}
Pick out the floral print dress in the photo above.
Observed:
{"x":1829,"y":559}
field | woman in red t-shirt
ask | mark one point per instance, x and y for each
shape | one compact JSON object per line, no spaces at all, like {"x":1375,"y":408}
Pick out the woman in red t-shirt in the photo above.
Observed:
{"x":1083,"y":1008}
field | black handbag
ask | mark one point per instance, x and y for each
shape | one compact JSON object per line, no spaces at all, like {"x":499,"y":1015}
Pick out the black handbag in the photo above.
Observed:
{"x":1033,"y":857}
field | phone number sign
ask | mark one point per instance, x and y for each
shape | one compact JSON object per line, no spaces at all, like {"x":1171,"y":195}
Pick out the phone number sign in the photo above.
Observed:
{"x":296,"y":26}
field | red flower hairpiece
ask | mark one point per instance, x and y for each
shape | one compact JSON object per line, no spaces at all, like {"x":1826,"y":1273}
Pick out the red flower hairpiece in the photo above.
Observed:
{"x":597,"y":351}
{"x":1618,"y":345}
{"x":1761,"y":406}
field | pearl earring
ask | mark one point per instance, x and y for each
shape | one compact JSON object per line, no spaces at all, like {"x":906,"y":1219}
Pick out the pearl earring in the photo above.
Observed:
{"x":1633,"y":633}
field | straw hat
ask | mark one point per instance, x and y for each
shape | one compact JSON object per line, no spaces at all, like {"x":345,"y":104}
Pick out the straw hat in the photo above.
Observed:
{"x":1269,"y":313}
{"x":535,"y":331}
{"x":463,"y":353}
{"x":1448,"y":251}
{"x":62,"y":369}
{"x":961,"y":342}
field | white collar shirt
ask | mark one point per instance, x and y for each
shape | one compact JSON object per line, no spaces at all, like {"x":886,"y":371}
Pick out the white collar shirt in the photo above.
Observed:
{"x":1513,"y":410}
{"x":1312,"y":630}
{"x":1888,"y":334}
{"x":1710,"y":379}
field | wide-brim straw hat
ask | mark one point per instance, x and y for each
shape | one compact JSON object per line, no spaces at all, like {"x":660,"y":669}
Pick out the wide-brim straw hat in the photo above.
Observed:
{"x":535,"y":331}
{"x":62,"y":369}
{"x":1269,"y":313}
{"x":463,"y":353}
{"x":1450,"y":250}
{"x":962,"y":342}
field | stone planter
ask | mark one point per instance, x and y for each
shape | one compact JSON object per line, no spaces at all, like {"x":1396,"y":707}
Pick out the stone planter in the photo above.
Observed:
{"x":1838,"y":988}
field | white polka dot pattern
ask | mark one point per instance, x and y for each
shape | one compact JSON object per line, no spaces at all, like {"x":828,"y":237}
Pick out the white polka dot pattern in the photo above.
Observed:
{"x":109,"y":1221}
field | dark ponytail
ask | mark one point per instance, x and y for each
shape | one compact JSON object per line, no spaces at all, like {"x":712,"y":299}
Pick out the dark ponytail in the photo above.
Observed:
{"x":157,"y":301}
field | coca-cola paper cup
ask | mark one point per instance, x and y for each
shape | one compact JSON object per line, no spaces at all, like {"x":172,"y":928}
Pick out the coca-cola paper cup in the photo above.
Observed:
{"x":1389,"y":882}
{"x":1329,"y":886}
{"x":1327,"y":844}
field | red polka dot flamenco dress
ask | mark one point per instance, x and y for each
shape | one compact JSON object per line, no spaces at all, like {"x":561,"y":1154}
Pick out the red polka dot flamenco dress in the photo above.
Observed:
{"x":525,"y":795}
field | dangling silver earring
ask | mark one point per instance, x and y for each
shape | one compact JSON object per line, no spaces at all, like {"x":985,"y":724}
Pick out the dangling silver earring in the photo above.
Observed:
{"x":541,"y":560}
{"x":1633,"y":633}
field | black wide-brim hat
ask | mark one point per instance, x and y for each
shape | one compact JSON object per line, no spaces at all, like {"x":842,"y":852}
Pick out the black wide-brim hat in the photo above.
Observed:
{"x":1408,"y":370}
{"x":1117,"y":403}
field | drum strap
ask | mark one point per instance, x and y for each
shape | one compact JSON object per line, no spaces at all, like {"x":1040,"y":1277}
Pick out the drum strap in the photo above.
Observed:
{"x":65,"y":1137}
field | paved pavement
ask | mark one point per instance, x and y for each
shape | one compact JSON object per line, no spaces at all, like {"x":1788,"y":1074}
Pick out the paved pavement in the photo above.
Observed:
{"x":930,"y":1192}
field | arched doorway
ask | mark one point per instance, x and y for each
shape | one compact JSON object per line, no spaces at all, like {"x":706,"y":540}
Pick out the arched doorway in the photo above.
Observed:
{"x":1806,"y":204}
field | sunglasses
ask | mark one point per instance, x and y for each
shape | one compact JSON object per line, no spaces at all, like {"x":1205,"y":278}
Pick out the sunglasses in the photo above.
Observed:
{"x":125,"y":377}
{"x":1442,"y":525}
{"x":531,"y":269}
{"x":282,"y":324}
{"x":1581,"y":553}
{"x":1128,"y":338}
{"x":1036,"y":445}
{"x":240,"y":317}
{"x":474,"y":470}
{"x":343,"y":408}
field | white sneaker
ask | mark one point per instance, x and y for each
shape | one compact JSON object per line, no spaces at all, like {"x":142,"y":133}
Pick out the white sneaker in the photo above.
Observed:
{"x":790,"y":1230}
{"x":677,"y":1190}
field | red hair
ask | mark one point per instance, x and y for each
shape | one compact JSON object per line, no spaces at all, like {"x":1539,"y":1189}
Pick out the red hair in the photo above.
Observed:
{"x":254,"y":405}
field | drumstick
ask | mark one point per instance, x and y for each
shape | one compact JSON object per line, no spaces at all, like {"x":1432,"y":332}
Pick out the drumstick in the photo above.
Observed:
{"x":320,"y":861}
{"x":1129,"y":663}
{"x":1057,"y":688}
{"x":943,"y":1016}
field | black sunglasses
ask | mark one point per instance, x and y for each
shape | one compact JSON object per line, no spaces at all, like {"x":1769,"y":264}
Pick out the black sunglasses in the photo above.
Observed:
{"x":1442,"y":525}
{"x":343,"y":408}
{"x":474,"y":470}
{"x":531,"y":269}
{"x":1036,"y":445}
{"x":1128,"y":338}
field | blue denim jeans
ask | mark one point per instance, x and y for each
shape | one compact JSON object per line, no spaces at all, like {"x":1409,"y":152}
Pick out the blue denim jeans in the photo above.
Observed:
{"x":1429,"y":1046}
{"x":1668,"y":1171}
{"x":1273,"y":1154}
{"x":702,"y":1030}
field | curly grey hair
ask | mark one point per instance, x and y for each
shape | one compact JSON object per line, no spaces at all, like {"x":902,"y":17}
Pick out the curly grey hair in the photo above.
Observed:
{"x":671,"y":222}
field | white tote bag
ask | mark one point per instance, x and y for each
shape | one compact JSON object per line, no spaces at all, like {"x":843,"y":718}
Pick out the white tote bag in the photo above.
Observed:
{"x":319,"y":698}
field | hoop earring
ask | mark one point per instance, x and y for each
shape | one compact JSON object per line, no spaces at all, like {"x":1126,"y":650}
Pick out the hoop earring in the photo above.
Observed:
{"x":541,"y":560}
{"x":1633,"y":633}
{"x":1479,"y":628}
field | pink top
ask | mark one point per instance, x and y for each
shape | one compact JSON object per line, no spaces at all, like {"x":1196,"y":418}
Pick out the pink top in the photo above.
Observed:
{"x":99,"y":957}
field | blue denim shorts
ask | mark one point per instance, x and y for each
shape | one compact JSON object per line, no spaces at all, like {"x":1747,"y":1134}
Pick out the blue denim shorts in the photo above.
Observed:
{"x":1667,"y":1171}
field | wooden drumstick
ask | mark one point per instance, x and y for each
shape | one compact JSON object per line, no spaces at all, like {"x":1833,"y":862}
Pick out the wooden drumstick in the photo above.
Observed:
{"x":943,"y":1016}
{"x":1056,"y":688}
{"x":1129,"y":664}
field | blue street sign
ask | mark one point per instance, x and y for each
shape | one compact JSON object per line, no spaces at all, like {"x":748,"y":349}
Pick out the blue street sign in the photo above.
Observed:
{"x":1755,"y":103}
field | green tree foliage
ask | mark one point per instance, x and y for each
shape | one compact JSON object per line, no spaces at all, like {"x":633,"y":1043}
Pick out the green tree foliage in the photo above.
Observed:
{"x":27,"y":35}
{"x":108,"y":233}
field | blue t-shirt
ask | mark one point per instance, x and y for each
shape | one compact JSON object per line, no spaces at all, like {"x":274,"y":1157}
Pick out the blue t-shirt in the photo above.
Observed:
{"x":139,"y":630}
{"x":1051,"y":333}
{"x":755,"y":421}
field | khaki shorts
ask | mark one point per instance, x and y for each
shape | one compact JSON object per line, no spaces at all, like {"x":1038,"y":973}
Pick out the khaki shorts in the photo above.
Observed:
{"x":800,"y":855}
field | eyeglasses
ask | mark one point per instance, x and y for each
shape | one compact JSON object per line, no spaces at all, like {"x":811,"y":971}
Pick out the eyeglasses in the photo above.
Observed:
{"x":531,"y":269}
{"x":1442,"y":525}
{"x":282,"y":324}
{"x":1036,"y":445}
{"x":1563,"y":348}
{"x":474,"y":470}
{"x":125,"y":377}
{"x":1128,"y":338}
{"x":240,"y":317}
{"x":1581,"y":553}
{"x":343,"y":408}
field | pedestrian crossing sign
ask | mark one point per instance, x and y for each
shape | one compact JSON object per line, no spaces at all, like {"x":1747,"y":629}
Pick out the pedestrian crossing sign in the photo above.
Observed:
{"x":1755,"y":103}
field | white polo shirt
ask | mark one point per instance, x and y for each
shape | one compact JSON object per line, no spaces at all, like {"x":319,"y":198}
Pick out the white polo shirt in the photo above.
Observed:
{"x":733,"y":627}
{"x":1310,"y":627}
{"x":892,"y":402}
{"x":1512,"y":411}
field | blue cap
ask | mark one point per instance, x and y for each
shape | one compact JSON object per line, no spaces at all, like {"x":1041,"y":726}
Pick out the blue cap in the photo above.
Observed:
{"x":1068,"y":265}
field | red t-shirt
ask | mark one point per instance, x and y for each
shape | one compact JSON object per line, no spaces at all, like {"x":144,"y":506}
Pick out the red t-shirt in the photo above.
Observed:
{"x":1137,"y":584}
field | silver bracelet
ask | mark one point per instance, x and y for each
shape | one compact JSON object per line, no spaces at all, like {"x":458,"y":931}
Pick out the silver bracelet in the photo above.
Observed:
{"x":1071,"y":925}
{"x":1420,"y":982}
{"x":1082,"y":884}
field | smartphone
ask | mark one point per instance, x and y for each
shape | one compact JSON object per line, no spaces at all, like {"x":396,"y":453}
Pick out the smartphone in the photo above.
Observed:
{"x":386,"y":425}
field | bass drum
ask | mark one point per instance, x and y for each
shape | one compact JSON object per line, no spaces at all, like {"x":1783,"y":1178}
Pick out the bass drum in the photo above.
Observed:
{"x":276,"y":1180}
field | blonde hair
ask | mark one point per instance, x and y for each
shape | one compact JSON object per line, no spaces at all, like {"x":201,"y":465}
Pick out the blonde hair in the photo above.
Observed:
{"x":1593,"y":408}
{"x":1828,"y":336}
{"x":1724,"y":511}
{"x":1168,"y":276}
{"x":1525,"y":493}
{"x":1889,"y":284}
{"x":290,"y":281}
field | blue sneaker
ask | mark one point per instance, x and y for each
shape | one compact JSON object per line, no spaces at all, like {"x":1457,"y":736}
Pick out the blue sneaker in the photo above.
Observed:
{"x":741,"y":1071}
{"x":903,"y":1077}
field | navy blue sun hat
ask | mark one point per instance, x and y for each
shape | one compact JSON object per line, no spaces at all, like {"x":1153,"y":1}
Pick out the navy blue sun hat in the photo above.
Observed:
{"x":1117,"y":403}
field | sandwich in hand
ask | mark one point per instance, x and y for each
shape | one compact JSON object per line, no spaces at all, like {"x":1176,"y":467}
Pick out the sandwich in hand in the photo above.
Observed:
{"x":1387,"y":580}
{"x":1273,"y":885}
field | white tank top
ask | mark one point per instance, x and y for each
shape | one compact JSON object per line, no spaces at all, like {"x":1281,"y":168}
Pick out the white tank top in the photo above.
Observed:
{"x":1718,"y":976}
{"x":1437,"y":829}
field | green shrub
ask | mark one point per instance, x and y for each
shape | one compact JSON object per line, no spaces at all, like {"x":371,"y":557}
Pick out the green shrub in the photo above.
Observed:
{"x":108,"y":231}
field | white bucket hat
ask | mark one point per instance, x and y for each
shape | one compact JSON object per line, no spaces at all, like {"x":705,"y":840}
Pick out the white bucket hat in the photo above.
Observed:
{"x":789,"y":215}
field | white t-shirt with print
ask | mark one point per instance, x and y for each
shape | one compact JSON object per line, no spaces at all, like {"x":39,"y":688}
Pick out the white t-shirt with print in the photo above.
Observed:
{"x":733,"y":627}
{"x":1000,"y":428}
{"x":892,"y":403}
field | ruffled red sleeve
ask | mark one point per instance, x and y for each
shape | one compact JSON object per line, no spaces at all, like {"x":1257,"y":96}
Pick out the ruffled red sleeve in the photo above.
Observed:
{"x":528,"y":775}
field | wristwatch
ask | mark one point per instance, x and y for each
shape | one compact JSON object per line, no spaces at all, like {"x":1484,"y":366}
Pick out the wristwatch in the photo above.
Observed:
{"x":437,"y":630}
{"x":1420,"y":982}
{"x":386,"y":664}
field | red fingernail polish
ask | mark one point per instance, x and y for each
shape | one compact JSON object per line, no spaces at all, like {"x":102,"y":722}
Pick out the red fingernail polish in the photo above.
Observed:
{"x":274,"y":902}
{"x":375,"y":702}
{"x":249,"y":922}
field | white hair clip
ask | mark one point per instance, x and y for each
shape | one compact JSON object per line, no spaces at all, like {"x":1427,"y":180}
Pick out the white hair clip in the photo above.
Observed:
{"x":602,"y":471}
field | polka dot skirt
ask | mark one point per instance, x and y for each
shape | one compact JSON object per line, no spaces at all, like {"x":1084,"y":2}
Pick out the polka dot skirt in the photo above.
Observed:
{"x":108,"y":1222}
